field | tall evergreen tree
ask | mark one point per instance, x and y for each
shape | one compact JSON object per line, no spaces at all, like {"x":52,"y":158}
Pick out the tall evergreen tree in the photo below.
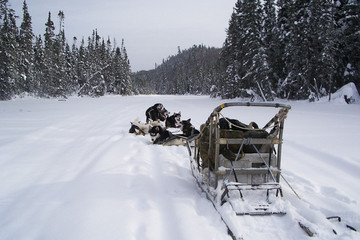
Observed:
{"x":323,"y":41}
{"x":126,"y":83}
{"x":8,"y":51}
{"x":25,"y":81}
{"x":271,"y":41}
{"x":39,"y":80}
{"x":308,"y":39}
{"x":285,"y":19}
{"x":231,"y":55}
{"x":245,"y":59}
{"x":50,"y":85}
{"x":297,"y":50}
{"x":348,"y":25}
{"x":59,"y":59}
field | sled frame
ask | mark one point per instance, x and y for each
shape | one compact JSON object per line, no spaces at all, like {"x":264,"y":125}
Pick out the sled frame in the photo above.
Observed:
{"x":213,"y":120}
{"x":241,"y":175}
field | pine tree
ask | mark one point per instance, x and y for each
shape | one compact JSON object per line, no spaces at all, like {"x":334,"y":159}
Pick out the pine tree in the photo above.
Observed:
{"x":81,"y":68}
{"x":307,"y":38}
{"x":39,"y":80}
{"x":297,"y":51}
{"x":49,"y":81}
{"x":117,"y":72}
{"x":271,"y":40}
{"x":25,"y":81}
{"x":126,"y":85}
{"x":348,"y":26}
{"x":255,"y":60}
{"x":285,"y":20}
{"x":323,"y":42}
{"x":61,"y":81}
{"x":231,"y":56}
{"x":244,"y":55}
{"x":8,"y":52}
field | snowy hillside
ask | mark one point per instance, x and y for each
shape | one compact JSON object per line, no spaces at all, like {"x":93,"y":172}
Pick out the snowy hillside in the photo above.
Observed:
{"x":70,"y":170}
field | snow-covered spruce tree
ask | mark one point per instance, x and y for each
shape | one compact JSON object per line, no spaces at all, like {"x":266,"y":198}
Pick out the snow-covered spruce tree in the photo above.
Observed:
{"x":244,"y":55}
{"x":231,"y":56}
{"x":256,"y":65}
{"x":50,"y":82}
{"x":323,"y":48}
{"x":347,"y":17}
{"x":298,"y":50}
{"x":109,"y":72}
{"x":81,"y":68}
{"x":5,"y":76}
{"x":271,"y":42}
{"x":94,"y":82}
{"x":127,"y":82}
{"x":69,"y":71}
{"x":59,"y":45}
{"x":116,"y":84}
{"x":25,"y":82}
{"x":308,"y":39}
{"x":285,"y":19}
{"x":8,"y":51}
{"x":39,"y":82}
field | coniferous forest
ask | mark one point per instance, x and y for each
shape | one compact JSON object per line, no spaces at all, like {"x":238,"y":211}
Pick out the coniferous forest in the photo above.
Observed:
{"x":290,"y":49}
{"x":47,"y":66}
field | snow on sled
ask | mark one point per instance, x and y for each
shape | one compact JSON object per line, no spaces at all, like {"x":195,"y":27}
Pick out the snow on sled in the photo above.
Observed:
{"x":240,"y":164}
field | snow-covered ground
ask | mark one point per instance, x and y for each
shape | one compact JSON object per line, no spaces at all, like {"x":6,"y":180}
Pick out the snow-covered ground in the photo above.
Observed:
{"x":70,"y":170}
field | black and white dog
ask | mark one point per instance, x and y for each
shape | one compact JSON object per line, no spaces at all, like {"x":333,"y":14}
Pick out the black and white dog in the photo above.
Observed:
{"x":159,"y":135}
{"x":156,"y":112}
{"x":173,"y":121}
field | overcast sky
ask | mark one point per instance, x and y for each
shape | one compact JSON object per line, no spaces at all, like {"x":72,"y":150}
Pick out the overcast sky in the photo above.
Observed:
{"x":152,"y":29}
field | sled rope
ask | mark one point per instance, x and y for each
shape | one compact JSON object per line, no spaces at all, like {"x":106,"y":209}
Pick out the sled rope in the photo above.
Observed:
{"x":290,"y":186}
{"x":237,"y":126}
{"x":267,"y":166}
{"x":236,"y":158}
{"x":274,"y":122}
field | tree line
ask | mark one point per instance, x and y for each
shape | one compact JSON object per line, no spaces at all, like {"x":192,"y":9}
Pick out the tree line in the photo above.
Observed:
{"x":190,"y":71}
{"x":47,"y":66}
{"x":302,"y":50}
{"x":291,"y":49}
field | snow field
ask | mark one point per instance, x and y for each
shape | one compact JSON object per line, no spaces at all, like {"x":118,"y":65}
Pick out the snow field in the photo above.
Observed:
{"x":70,"y":170}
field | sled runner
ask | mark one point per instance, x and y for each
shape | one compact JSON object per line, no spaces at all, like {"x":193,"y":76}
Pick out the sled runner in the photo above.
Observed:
{"x":240,"y":164}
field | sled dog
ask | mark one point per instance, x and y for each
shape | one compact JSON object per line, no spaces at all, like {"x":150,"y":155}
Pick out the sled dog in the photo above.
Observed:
{"x":139,"y":128}
{"x":159,"y":135}
{"x":156,"y":112}
{"x":174,"y":121}
{"x":188,"y":129}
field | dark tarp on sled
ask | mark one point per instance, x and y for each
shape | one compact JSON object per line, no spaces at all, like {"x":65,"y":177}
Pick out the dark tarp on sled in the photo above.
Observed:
{"x":207,"y":151}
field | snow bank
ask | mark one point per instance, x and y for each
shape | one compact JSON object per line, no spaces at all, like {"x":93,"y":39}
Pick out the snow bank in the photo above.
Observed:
{"x":348,"y":91}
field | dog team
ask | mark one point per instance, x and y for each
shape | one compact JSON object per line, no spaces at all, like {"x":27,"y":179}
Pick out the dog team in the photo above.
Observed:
{"x":161,"y":126}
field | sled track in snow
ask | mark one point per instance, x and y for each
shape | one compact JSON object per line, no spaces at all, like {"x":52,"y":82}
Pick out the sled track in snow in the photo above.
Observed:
{"x":286,"y":226}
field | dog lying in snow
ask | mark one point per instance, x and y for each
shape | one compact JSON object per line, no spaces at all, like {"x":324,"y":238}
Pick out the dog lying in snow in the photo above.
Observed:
{"x":160,"y":135}
{"x":188,"y":129}
{"x":174,"y":121}
{"x":139,"y":128}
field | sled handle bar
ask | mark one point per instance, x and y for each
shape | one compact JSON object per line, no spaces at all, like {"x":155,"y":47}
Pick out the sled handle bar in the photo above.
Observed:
{"x":250,"y":104}
{"x":246,"y":104}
